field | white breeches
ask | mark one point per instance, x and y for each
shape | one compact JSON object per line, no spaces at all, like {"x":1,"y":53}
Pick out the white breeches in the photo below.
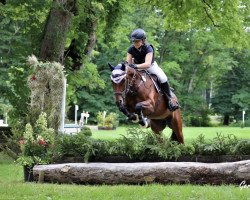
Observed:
{"x":155,"y":69}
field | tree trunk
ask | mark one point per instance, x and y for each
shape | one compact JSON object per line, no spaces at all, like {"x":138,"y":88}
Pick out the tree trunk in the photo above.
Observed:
{"x":88,"y":26}
{"x":226,"y":120}
{"x":53,"y":42}
{"x":191,"y":82}
{"x":138,"y":173}
{"x":91,"y":38}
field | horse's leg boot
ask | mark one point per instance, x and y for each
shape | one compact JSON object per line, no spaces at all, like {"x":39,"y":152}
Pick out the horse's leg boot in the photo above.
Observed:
{"x":172,"y":102}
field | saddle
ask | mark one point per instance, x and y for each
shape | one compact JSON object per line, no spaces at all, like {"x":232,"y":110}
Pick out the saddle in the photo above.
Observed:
{"x":155,"y":80}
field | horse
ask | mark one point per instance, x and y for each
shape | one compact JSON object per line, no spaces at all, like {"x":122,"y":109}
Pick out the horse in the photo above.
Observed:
{"x":138,"y":96}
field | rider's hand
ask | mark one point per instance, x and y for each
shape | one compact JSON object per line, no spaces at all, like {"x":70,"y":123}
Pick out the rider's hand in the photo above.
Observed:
{"x":133,"y":66}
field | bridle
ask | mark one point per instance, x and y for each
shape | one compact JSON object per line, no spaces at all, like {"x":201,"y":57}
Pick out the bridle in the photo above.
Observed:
{"x":128,"y":85}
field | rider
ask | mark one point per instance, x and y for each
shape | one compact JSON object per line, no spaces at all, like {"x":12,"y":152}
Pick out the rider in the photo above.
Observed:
{"x":141,"y":56}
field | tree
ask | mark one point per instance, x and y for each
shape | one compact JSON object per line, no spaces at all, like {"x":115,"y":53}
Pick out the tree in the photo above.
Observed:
{"x":194,"y":63}
{"x":232,"y":94}
{"x":228,"y":20}
{"x":19,"y":22}
{"x":242,"y":95}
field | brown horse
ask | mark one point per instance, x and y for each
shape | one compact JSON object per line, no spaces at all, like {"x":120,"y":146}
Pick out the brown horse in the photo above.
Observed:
{"x":139,"y":98}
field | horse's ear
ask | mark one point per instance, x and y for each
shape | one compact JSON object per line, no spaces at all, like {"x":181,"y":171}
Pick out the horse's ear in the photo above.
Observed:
{"x":123,"y":67}
{"x":111,"y":67}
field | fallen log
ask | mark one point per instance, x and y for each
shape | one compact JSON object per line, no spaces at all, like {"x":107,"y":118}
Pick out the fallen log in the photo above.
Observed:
{"x":139,"y":173}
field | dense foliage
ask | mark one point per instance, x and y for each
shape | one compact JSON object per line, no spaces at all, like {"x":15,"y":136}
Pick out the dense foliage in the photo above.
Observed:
{"x":203,"y":46}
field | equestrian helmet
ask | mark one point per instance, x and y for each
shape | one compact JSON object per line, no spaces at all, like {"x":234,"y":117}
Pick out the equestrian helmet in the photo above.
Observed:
{"x":138,"y":34}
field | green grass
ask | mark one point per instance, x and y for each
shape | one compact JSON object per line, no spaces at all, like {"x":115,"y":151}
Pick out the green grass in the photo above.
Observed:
{"x":126,"y":192}
{"x":189,"y":133}
{"x":12,"y":185}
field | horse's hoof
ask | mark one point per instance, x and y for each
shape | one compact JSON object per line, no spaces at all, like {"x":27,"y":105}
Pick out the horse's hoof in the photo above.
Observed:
{"x":136,"y":120}
{"x":144,"y":126}
{"x":144,"y":123}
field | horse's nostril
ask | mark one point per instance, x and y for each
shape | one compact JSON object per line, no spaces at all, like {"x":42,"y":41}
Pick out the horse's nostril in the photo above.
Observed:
{"x":120,"y":102}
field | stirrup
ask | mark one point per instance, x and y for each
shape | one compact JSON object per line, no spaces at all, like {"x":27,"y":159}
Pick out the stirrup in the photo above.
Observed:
{"x":172,"y":107}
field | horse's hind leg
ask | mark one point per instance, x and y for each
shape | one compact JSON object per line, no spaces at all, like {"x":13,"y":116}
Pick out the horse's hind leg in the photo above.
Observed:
{"x":173,"y":137}
{"x":176,"y":126}
{"x":157,"y":126}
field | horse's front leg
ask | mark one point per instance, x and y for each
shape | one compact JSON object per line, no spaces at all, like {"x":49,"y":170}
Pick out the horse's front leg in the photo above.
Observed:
{"x":147,"y":107}
{"x":131,"y":116}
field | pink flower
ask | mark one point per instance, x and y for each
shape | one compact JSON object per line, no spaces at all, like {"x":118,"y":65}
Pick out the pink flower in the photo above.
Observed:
{"x":33,"y":78}
{"x":42,"y":142}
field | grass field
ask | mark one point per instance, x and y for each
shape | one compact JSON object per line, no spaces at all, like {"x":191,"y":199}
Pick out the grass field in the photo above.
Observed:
{"x":12,"y":185}
{"x":189,"y":133}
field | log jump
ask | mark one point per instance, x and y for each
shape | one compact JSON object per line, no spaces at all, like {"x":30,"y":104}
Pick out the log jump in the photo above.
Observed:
{"x":140,"y":173}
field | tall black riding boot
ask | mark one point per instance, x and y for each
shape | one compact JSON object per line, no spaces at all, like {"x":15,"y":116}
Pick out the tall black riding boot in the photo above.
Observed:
{"x":172,"y":102}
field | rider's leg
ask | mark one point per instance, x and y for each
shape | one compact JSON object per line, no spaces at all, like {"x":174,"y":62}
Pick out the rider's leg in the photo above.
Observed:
{"x":155,"y":69}
{"x":172,"y":103}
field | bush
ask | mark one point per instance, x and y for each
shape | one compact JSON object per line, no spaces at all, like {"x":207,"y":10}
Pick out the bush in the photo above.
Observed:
{"x":242,"y":148}
{"x":86,"y":131}
{"x":220,"y":145}
{"x":136,"y":144}
{"x":78,"y":145}
{"x":110,"y":121}
{"x":240,"y":124}
{"x":140,"y":144}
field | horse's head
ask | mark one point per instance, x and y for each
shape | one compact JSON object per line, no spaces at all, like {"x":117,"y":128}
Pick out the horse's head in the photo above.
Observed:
{"x":124,"y":80}
{"x":118,"y":77}
{"x":118,"y":73}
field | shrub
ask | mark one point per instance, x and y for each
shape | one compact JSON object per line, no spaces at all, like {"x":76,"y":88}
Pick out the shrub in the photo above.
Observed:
{"x":78,"y":145}
{"x":140,"y":144}
{"x":240,"y":124}
{"x":36,"y":142}
{"x":220,"y":145}
{"x":86,"y":131}
{"x":110,"y":121}
{"x":242,"y":148}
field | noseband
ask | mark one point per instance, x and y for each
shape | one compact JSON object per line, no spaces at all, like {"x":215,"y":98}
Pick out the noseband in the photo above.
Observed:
{"x":128,"y":84}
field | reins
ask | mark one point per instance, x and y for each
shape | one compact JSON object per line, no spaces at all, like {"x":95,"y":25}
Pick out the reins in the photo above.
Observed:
{"x":128,"y":85}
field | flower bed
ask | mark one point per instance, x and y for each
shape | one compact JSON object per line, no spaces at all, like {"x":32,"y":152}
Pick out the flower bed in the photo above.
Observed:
{"x":36,"y":144}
